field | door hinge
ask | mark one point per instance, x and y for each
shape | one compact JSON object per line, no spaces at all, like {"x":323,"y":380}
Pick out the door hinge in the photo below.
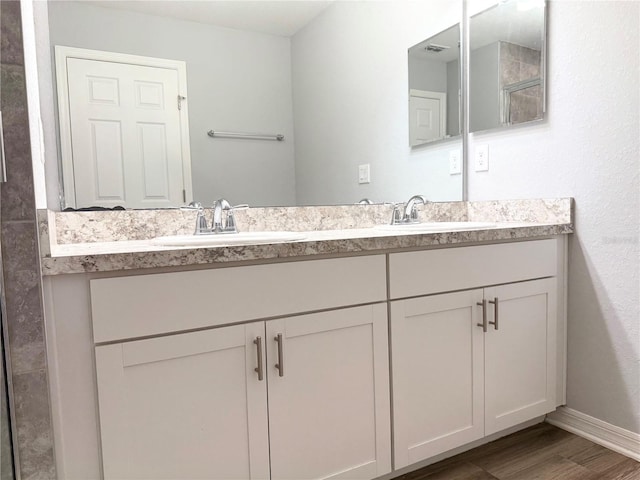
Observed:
{"x":180,"y":99}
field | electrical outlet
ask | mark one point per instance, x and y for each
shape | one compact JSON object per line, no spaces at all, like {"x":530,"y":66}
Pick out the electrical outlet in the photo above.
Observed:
{"x":364,"y":173}
{"x":455,"y":166}
{"x":482,"y":158}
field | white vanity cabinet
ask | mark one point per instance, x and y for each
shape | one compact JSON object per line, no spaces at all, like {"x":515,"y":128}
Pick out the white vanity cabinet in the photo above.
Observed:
{"x":194,"y":405}
{"x":293,"y":370}
{"x":454,"y":382}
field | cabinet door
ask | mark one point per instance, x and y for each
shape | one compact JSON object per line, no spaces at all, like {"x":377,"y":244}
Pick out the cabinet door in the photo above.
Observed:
{"x":520,"y":353}
{"x":329,"y":399}
{"x":184,"y":406}
{"x":437,"y":371}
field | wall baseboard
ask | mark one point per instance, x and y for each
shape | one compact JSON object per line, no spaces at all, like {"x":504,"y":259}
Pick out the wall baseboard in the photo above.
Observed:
{"x":614,"y":438}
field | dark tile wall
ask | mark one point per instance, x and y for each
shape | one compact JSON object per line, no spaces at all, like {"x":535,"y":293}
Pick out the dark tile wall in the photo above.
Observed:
{"x":22,"y":284}
{"x":518,"y":63}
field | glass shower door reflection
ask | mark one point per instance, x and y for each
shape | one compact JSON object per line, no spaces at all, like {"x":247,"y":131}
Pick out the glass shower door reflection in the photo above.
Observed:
{"x":522,"y":102}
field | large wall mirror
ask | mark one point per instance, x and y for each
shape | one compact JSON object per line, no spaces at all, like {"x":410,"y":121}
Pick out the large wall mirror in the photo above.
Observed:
{"x":506,"y":64}
{"x":331,"y":79}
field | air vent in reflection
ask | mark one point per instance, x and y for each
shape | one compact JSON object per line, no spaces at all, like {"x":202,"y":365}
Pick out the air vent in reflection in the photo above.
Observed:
{"x":434,"y":47}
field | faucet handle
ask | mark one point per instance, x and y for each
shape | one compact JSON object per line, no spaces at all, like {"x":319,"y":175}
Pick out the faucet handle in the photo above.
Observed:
{"x":201,"y":222}
{"x":413,"y":215}
{"x":242,"y":206}
{"x":231,"y":220}
{"x":396,"y":214}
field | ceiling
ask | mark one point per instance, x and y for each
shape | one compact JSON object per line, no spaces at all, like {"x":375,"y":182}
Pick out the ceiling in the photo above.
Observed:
{"x":282,"y":18}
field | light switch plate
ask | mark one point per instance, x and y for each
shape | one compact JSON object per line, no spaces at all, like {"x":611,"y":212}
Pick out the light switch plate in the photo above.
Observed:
{"x":482,"y":157}
{"x":364,"y":173}
{"x":455,"y":166}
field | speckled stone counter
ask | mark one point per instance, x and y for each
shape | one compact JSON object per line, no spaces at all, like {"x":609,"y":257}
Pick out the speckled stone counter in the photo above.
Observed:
{"x":82,"y":242}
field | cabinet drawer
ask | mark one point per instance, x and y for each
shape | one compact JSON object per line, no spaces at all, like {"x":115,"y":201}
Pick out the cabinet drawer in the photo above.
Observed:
{"x":422,"y":273}
{"x":136,"y":306}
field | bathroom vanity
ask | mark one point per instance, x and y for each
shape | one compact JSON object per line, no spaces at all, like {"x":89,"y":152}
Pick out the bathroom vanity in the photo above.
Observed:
{"x":354,"y":353}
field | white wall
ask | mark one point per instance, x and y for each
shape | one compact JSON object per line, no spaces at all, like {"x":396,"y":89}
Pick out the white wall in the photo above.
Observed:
{"x":588,"y":148}
{"x":453,"y":99}
{"x":428,"y":75}
{"x":237,"y":81}
{"x":350,"y":98}
{"x":484,"y":88}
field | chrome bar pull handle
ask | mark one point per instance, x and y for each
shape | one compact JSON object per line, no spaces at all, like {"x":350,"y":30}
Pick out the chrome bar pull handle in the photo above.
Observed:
{"x":483,"y":304}
{"x":259,"y":368}
{"x":280,"y":364}
{"x":495,"y":312}
{"x":3,"y":164}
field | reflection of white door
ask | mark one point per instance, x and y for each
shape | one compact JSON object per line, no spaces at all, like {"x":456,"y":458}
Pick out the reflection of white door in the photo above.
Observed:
{"x":427,"y":116}
{"x":126,"y":137}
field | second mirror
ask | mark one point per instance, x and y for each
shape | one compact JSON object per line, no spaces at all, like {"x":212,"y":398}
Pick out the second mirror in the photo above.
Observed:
{"x":506,"y":64}
{"x":434,"y":88}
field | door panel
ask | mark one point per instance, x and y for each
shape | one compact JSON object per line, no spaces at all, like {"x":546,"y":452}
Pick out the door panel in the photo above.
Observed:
{"x":184,"y":406}
{"x":329,"y":411}
{"x":155,"y":164}
{"x":437,"y":374}
{"x":520,"y":354}
{"x":427,"y":116}
{"x":141,"y":151}
{"x":107,"y":161}
{"x":425,"y":120}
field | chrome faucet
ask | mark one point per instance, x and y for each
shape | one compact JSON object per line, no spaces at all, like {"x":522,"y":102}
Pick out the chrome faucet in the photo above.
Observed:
{"x":410,"y":211}
{"x":223,"y":220}
{"x":407,"y":212}
{"x":219,"y":206}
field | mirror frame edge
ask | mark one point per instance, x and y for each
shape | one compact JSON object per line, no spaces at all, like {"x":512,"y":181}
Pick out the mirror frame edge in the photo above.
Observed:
{"x":464,"y":99}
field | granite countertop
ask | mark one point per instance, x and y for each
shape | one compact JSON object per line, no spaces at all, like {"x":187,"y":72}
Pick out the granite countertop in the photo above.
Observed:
{"x":143,"y":253}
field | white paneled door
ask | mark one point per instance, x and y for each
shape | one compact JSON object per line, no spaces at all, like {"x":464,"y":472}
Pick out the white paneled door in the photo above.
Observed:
{"x":125,"y":134}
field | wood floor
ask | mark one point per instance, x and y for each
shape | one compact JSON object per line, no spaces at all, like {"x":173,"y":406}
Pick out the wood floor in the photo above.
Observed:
{"x":541,"y":452}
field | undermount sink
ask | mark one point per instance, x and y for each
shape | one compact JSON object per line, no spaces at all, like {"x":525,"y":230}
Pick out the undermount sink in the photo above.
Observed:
{"x":228,"y":239}
{"x":434,"y":226}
